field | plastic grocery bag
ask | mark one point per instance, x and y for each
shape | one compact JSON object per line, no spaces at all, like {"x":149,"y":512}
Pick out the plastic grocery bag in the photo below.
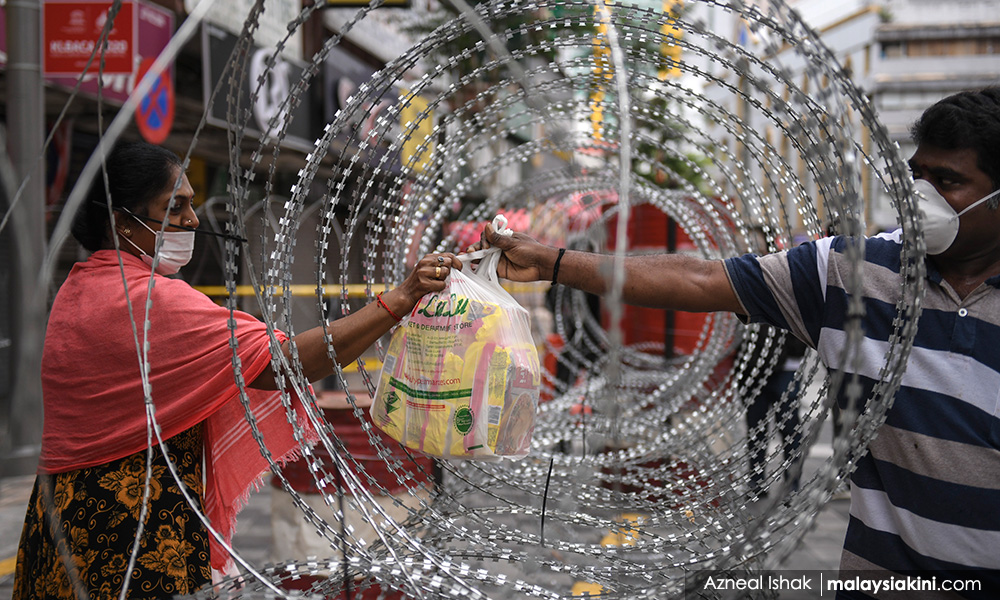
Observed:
{"x":461,"y":375}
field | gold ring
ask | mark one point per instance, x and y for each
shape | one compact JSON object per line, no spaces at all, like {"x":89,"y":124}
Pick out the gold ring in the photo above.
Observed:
{"x":437,"y":272}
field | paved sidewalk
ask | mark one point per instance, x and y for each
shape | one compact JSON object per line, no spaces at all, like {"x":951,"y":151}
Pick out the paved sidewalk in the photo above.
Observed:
{"x":820,"y":549}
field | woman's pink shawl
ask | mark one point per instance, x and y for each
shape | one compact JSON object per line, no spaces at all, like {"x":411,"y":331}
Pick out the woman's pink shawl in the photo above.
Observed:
{"x":94,"y":403}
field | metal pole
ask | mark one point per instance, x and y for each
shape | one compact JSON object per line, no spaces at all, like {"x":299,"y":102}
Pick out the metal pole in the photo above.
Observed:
{"x":26,"y":128}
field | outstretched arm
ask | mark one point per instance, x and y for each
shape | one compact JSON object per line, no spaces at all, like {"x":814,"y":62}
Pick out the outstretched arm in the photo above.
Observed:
{"x":670,"y":281}
{"x":355,"y":333}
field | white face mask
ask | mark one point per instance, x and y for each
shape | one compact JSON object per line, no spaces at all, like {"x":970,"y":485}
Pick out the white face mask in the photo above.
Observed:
{"x":176,"y":250}
{"x":940,"y":219}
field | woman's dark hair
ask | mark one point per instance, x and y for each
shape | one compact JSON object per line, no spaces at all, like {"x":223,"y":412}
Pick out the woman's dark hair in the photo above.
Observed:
{"x":965,"y":120}
{"x":137,"y":173}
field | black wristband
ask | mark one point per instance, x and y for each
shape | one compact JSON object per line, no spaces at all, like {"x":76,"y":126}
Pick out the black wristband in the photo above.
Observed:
{"x":555,"y":267}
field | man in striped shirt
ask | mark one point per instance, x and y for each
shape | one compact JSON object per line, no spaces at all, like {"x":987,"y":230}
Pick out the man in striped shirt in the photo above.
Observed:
{"x":926,"y":495}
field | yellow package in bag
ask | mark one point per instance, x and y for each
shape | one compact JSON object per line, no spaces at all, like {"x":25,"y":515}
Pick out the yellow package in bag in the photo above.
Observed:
{"x":461,"y":375}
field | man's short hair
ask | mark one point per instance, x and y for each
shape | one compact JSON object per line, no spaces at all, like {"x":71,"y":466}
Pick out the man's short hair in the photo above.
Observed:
{"x":965,"y":120}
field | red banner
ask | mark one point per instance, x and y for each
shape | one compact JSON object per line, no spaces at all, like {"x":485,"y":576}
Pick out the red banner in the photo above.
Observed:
{"x":71,"y":30}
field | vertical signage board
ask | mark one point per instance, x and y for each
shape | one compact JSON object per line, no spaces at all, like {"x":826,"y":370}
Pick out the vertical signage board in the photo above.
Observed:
{"x":376,"y":122}
{"x":270,"y":104}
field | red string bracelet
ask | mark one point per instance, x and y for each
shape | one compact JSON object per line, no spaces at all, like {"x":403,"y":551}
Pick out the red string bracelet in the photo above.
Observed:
{"x":382,"y":303}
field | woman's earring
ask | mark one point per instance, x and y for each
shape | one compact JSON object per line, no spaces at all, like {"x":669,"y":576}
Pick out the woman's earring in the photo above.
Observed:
{"x":127,"y":232}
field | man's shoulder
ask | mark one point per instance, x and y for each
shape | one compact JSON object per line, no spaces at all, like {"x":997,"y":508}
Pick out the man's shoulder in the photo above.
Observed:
{"x":887,"y":240}
{"x":884,"y":249}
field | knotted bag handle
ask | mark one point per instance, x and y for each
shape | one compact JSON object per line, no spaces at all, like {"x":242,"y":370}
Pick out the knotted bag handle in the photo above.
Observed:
{"x":489,"y":258}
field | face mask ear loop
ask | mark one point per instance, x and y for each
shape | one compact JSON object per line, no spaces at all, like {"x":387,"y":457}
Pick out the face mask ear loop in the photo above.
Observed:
{"x":141,"y":221}
{"x":154,"y":260}
{"x":978,"y":202}
{"x":136,"y":246}
{"x":138,"y":220}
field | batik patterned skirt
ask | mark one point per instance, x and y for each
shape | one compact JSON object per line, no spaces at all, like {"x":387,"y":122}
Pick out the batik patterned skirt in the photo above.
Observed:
{"x":88,"y":519}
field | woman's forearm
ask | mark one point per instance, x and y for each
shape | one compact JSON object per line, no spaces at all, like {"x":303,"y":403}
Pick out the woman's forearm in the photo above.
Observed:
{"x":351,"y":336}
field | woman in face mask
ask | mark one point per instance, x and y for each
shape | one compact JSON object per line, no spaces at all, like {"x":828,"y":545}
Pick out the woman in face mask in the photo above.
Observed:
{"x":105,"y":375}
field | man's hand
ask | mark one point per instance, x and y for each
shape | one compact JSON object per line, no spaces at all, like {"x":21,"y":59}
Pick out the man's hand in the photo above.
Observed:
{"x":523,"y":258}
{"x":670,"y":281}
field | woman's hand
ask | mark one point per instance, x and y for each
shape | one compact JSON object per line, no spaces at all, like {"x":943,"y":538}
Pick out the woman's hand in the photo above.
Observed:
{"x":353,"y":334}
{"x":523,"y":258}
{"x":427,"y":276}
